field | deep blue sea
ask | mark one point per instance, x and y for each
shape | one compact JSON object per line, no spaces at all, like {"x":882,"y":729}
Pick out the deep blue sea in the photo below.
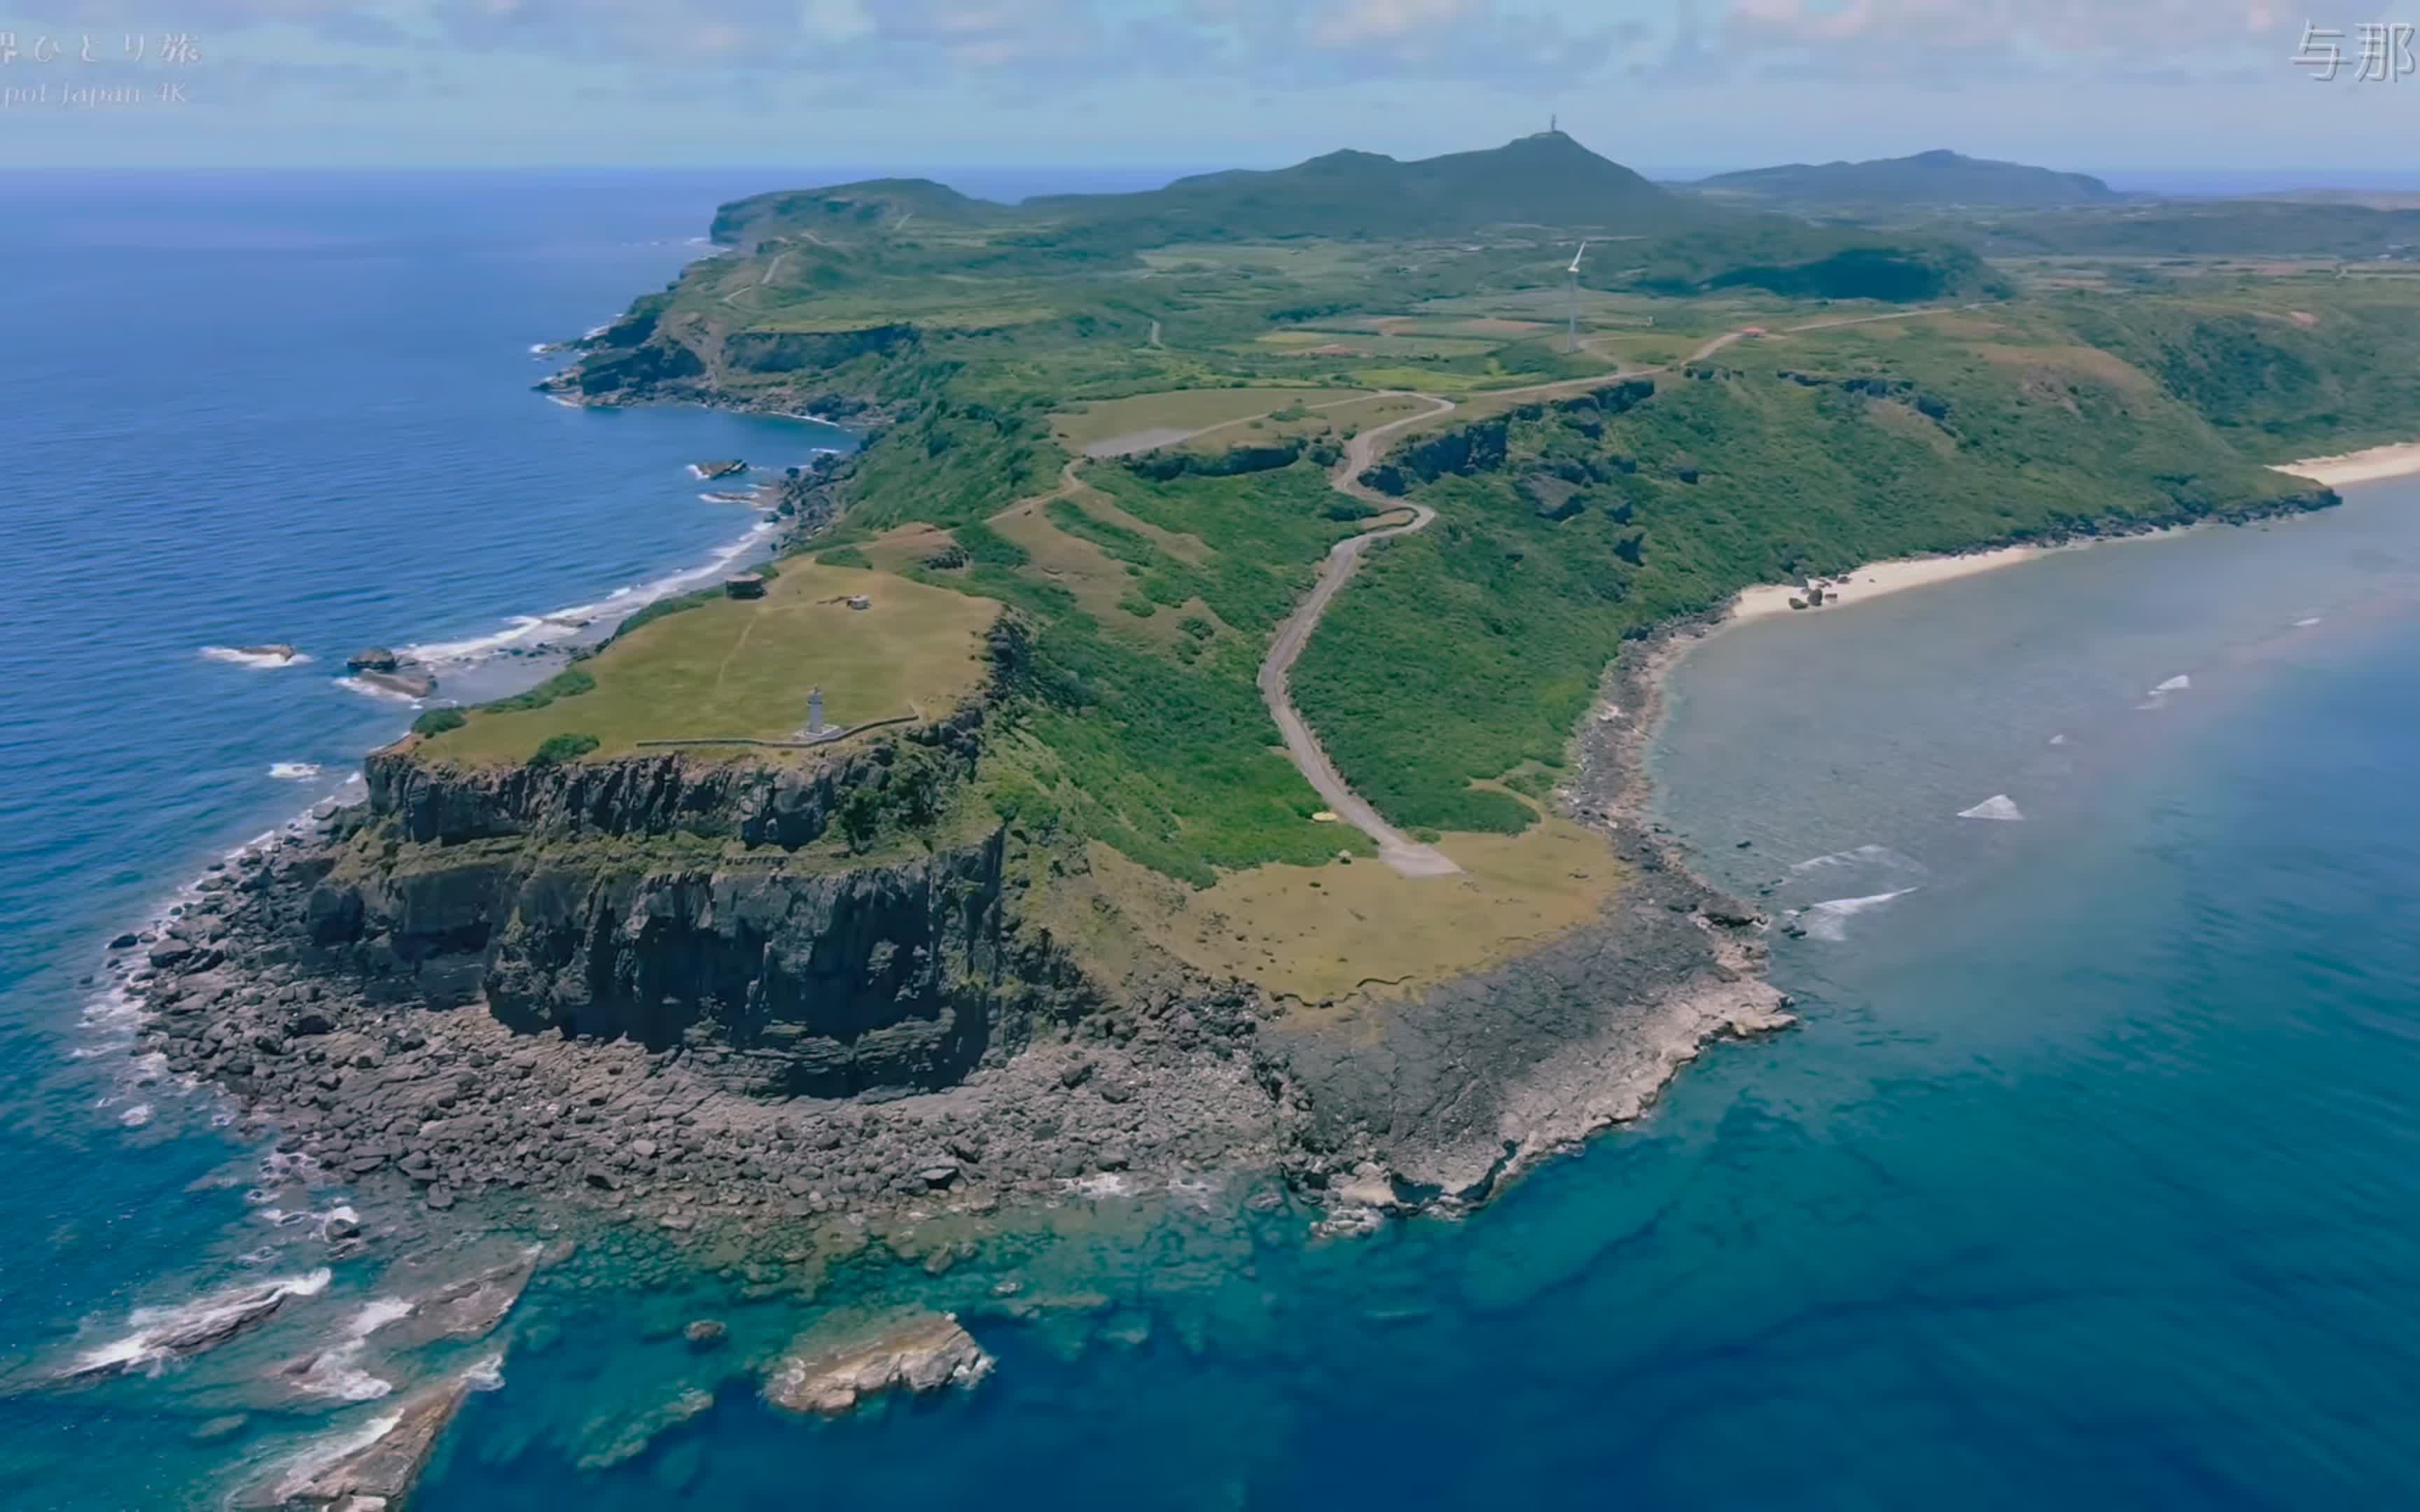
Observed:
{"x":2090,"y":1179}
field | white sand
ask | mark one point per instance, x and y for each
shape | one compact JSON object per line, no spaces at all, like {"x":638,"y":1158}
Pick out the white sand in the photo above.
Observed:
{"x":2398,"y":461}
{"x":1879,"y":578}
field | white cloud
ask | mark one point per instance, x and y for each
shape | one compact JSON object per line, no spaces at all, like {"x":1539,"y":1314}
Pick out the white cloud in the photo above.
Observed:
{"x":1359,"y":21}
{"x":1943,"y":31}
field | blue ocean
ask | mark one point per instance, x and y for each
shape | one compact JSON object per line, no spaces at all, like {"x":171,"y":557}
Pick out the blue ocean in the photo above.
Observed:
{"x":2088,"y":1177}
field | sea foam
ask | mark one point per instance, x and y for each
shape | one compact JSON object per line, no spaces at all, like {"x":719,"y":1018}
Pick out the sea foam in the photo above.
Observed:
{"x":1999,"y":806}
{"x":149,"y":1326}
{"x":253,"y":657}
{"x":1829,"y":921}
{"x":1881,"y":855}
{"x":369,"y":689}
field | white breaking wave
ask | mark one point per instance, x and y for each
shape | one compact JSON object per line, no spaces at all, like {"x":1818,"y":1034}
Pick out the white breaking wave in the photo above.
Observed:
{"x":2174,"y":684}
{"x":294,"y":771}
{"x":355,"y":685}
{"x":2306,"y":622}
{"x":1830,"y":920}
{"x":318,"y":1222}
{"x":486,"y":1375}
{"x":1881,"y":855}
{"x":261,"y":659}
{"x":1999,"y":806}
{"x":298,"y":1470}
{"x":153,"y":1327}
{"x":2059,"y":740}
{"x":336,"y":1371}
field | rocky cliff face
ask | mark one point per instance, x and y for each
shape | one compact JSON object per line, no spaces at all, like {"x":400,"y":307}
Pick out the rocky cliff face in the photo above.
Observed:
{"x":754,"y":803}
{"x":784,"y":976}
{"x":674,"y":901}
{"x":825,"y":984}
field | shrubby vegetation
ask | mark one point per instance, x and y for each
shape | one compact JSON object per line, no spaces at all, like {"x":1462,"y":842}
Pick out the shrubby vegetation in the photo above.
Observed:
{"x":556,"y":750}
{"x":568,"y":683}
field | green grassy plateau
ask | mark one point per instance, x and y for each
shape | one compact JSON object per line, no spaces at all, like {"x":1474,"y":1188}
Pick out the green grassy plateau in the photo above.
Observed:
{"x":1901,"y":395}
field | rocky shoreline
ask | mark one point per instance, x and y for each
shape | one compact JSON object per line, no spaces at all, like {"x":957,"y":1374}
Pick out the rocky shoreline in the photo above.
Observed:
{"x":394,"y":1032}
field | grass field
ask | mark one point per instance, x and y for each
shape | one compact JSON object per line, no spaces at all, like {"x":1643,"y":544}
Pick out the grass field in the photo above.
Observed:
{"x":1128,"y":422}
{"x":743,"y":668}
{"x":1323,"y":932}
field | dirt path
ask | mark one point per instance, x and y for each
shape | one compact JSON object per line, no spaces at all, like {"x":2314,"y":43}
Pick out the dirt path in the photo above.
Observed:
{"x":1397,"y":849}
{"x":762,"y":279}
{"x":1151,"y":440}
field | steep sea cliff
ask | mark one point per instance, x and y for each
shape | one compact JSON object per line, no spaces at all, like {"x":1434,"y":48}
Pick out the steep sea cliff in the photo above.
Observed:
{"x":2082,"y":1180}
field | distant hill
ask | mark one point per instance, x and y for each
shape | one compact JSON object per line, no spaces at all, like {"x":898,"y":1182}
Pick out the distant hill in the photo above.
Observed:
{"x":850,"y":211}
{"x":1938,"y":178}
{"x":1547,"y":179}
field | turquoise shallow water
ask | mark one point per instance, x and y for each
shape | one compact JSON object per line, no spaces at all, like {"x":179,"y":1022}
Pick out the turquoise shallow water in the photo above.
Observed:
{"x":2086,"y":1180}
{"x":2088,"y":1177}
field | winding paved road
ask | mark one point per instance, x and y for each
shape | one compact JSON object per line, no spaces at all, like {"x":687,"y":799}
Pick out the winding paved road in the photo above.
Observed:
{"x":1397,"y":849}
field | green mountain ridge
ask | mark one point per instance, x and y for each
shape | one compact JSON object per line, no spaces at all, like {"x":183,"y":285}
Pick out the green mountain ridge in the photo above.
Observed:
{"x":1937,"y":177}
{"x":1547,"y":179}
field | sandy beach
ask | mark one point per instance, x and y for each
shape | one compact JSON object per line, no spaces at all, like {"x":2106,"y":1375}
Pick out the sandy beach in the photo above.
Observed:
{"x":2398,"y":461}
{"x":1877,"y":577}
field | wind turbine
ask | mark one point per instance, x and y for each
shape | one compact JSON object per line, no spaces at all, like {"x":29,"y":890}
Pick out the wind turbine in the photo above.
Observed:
{"x":1574,"y":313}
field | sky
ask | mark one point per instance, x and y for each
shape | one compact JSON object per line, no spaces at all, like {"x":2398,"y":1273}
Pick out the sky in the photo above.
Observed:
{"x":2145,"y":90}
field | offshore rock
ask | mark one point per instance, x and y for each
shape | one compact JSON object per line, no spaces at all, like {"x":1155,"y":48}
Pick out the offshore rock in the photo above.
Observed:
{"x":373,"y":1472}
{"x":919,"y":1354}
{"x":178,"y":1332}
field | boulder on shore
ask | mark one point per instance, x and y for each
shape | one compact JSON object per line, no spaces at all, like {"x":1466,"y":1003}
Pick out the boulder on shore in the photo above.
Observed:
{"x":921,"y":1353}
{"x":373,"y":660}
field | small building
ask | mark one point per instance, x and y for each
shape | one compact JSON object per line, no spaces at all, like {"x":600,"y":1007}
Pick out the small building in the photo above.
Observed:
{"x":815,"y":712}
{"x":860,"y":601}
{"x":744,"y":585}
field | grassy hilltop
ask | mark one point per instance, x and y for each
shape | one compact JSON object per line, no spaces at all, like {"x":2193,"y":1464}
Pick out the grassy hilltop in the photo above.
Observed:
{"x":1113,"y":419}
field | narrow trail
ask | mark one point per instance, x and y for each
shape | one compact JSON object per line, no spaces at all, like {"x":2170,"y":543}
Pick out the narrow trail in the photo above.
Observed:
{"x":1397,"y":849}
